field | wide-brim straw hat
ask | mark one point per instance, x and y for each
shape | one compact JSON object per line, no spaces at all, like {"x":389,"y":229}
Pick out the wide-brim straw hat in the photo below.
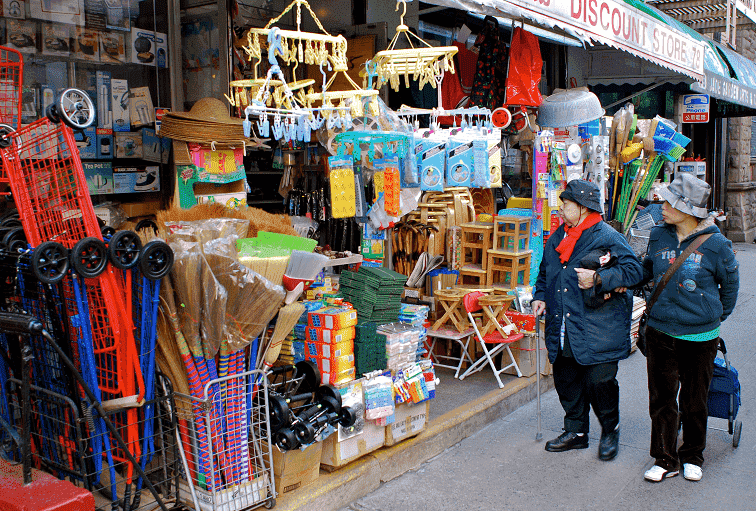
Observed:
{"x":207,"y":121}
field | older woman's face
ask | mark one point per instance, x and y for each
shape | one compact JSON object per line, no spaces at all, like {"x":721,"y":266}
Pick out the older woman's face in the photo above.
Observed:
{"x":570,"y":212}
{"x":671,"y":215}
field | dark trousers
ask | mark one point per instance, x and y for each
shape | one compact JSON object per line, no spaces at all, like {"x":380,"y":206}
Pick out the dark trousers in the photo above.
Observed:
{"x":582,"y":387}
{"x":687,"y":366}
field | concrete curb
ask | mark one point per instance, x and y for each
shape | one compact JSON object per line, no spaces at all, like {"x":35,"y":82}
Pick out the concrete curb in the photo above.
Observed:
{"x":335,"y":490}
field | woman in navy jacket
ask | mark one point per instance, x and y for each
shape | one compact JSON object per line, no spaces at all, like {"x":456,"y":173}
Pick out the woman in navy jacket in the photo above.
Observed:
{"x":683,"y":326}
{"x":586,"y":337}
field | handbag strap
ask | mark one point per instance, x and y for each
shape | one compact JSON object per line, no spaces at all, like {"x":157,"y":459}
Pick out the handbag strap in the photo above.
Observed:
{"x":672,"y":269}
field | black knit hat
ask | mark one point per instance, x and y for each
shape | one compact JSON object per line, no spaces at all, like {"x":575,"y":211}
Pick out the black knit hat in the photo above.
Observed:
{"x":584,"y":193}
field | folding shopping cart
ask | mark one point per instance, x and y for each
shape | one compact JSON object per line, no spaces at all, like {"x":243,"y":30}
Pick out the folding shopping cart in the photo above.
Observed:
{"x":11,"y":82}
{"x":724,"y":394}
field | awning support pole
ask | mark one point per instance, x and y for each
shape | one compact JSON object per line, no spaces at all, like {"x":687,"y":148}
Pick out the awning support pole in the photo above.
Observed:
{"x":652,"y":86}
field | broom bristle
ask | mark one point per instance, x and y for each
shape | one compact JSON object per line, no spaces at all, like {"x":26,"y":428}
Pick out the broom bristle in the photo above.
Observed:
{"x":675,"y":153}
{"x":259,"y":220}
{"x":305,"y":265}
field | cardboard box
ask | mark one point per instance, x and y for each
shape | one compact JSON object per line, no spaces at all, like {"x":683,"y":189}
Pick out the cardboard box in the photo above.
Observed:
{"x":21,"y":35}
{"x":105,"y":144}
{"x":149,"y":48}
{"x":56,"y":39}
{"x":104,"y":110}
{"x":86,"y":44}
{"x":243,"y":496}
{"x":337,"y":454}
{"x":144,"y":208}
{"x":86,"y":141}
{"x":296,"y":468}
{"x":525,"y":355}
{"x":112,"y":48}
{"x":136,"y":180}
{"x":232,"y":195}
{"x":155,"y":147}
{"x":141,"y":110}
{"x":128,"y":145}
{"x":409,"y":420}
{"x":119,"y":99}
{"x":99,"y":177}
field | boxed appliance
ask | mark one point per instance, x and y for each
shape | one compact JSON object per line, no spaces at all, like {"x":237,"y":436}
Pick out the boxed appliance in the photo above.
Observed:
{"x":99,"y":176}
{"x":119,"y":100}
{"x":128,"y":145}
{"x":140,"y":106}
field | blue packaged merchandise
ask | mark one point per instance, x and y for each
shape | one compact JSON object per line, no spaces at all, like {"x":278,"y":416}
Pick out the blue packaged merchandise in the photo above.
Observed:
{"x":459,"y":161}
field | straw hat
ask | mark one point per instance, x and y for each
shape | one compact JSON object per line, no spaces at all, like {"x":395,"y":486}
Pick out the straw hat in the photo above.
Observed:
{"x":207,"y":110}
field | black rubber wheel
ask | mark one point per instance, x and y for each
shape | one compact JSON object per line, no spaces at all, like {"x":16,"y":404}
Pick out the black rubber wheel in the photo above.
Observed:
{"x":305,"y":433}
{"x":5,"y":130}
{"x":310,"y":375}
{"x":50,"y":262}
{"x":15,"y":233}
{"x":107,"y":231}
{"x":330,"y":404}
{"x":736,"y":433}
{"x":156,"y":259}
{"x":279,"y":412}
{"x":89,"y":257}
{"x":285,"y":439}
{"x":17,"y":246}
{"x":11,"y":222}
{"x":124,"y":248}
{"x":325,"y":391}
{"x":52,"y":113}
{"x":347,"y":417}
{"x":270,"y":503}
{"x":146,"y":223}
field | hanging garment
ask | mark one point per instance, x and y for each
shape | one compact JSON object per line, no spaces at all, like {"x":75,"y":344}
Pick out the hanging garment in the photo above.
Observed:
{"x":488,"y":86}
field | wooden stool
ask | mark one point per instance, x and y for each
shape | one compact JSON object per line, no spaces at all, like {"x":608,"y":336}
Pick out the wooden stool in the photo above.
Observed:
{"x":454,"y":311}
{"x":473,"y":275}
{"x":493,"y":307}
{"x":507,"y":270}
{"x":511,"y":234}
{"x":477,"y":239}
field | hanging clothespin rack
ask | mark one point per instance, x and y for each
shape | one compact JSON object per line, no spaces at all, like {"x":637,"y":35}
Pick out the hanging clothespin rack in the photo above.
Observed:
{"x":424,"y":63}
{"x":398,"y":142}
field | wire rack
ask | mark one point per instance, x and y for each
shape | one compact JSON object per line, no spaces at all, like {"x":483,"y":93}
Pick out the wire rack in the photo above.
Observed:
{"x":225,"y":439}
{"x":638,"y":240}
{"x":76,"y":447}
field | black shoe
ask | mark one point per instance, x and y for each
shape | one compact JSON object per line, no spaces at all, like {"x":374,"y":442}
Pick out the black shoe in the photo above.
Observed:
{"x":566,"y":441}
{"x":609,"y":445}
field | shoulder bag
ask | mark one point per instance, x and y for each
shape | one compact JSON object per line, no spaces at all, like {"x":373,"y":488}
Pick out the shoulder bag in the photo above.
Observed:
{"x":641,"y":342}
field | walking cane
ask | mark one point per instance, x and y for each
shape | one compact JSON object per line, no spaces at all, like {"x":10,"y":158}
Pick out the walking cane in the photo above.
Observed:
{"x":539,"y":434}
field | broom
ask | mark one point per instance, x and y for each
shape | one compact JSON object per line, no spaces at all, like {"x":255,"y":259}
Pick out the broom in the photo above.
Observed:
{"x":301,"y":271}
{"x":287,"y":318}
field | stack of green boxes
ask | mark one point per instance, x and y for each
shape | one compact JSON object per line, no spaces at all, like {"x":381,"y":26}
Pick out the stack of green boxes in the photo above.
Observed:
{"x":369,"y":348}
{"x":375,"y":293}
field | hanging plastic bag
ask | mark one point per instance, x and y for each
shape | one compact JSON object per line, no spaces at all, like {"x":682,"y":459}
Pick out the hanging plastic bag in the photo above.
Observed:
{"x":525,"y":65}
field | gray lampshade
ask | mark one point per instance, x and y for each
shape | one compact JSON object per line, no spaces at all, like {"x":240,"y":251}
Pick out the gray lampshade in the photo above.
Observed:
{"x":569,"y":108}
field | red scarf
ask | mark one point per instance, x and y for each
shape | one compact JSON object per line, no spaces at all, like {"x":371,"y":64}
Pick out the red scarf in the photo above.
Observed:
{"x":567,"y":245}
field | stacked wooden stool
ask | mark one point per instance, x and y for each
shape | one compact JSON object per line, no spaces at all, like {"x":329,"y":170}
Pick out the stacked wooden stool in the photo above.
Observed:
{"x":477,"y":241}
{"x":508,"y":264}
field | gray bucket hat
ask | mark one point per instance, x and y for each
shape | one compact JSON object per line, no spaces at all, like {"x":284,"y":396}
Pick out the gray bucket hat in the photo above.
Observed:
{"x":583,"y":192}
{"x":688,"y":194}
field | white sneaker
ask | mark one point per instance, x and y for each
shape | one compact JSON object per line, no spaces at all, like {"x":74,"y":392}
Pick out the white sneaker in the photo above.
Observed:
{"x":656,"y":473}
{"x":692,"y":472}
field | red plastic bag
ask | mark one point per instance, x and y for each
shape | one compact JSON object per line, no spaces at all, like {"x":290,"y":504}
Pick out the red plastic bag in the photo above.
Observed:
{"x":525,"y":65}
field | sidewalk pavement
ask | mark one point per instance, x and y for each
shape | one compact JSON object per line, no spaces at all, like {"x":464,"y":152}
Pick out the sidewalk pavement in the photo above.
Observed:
{"x":483,"y":454}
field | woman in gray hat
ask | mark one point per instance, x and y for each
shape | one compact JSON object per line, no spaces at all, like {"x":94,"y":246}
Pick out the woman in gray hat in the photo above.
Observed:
{"x":586,"y":338}
{"x":683,"y":326}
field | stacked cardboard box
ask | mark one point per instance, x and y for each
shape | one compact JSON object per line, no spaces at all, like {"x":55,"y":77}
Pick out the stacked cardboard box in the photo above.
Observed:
{"x":330,"y":343}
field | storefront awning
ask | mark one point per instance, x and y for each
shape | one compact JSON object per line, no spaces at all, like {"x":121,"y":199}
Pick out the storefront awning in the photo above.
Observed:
{"x":628,"y":25}
{"x":728,"y":76}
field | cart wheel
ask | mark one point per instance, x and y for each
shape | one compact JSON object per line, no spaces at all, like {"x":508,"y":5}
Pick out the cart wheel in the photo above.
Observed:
{"x":308,"y":371}
{"x":347,"y":417}
{"x":76,"y":109}
{"x":16,"y":233}
{"x":736,"y":433}
{"x":107,"y":231}
{"x":5,"y":130}
{"x":50,"y":262}
{"x":11,"y":222}
{"x":270,"y":503}
{"x":89,"y":257}
{"x":156,"y":260}
{"x":17,"y":246}
{"x":327,"y":391}
{"x":52,"y":113}
{"x":279,"y":412}
{"x":146,"y":223}
{"x":285,"y":439}
{"x":123,"y":249}
{"x":305,"y":433}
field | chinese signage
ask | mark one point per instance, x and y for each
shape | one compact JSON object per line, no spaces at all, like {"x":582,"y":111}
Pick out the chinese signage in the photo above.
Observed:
{"x":726,"y":89}
{"x":619,"y":25}
{"x":695,"y":108}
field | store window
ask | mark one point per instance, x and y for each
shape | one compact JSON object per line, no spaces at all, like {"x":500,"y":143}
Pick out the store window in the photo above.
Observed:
{"x":117,"y":52}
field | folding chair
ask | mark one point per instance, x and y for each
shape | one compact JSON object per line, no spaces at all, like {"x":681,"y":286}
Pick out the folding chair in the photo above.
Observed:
{"x":501,"y":336}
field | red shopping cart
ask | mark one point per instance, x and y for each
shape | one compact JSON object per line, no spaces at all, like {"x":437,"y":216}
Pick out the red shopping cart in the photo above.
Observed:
{"x":11,"y":81}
